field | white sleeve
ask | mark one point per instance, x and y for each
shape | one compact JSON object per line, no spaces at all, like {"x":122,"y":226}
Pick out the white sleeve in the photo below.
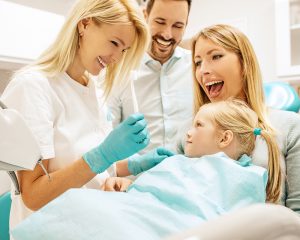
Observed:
{"x":120,"y":103}
{"x":29,"y":94}
{"x":114,"y":105}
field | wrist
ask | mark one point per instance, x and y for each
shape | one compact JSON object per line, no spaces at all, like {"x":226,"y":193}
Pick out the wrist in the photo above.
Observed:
{"x":122,"y":168}
{"x":133,"y":165}
{"x":96,"y":160}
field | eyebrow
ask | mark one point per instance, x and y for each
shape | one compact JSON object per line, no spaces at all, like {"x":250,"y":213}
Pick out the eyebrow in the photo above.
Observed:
{"x":208,"y":53}
{"x":199,"y":121}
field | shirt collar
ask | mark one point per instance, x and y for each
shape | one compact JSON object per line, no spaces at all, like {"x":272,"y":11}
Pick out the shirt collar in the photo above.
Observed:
{"x":178,"y":53}
{"x":244,"y":161}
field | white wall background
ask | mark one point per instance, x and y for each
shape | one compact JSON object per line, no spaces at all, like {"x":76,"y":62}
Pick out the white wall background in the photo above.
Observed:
{"x":256,"y":18}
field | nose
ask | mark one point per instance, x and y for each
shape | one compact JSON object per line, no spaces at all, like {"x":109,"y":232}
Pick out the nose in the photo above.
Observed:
{"x":167,"y":32}
{"x":204,"y":68}
{"x":189,"y":134}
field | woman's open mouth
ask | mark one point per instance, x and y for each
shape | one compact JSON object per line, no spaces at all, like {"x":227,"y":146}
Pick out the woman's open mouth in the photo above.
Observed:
{"x":214,"y":88}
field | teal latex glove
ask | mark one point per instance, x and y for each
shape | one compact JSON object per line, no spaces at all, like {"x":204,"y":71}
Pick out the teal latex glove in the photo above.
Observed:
{"x":125,"y":140}
{"x":141,"y":163}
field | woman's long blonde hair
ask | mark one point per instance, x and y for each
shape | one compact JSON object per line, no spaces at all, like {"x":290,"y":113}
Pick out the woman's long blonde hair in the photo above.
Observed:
{"x":237,"y":116}
{"x":235,"y":41}
{"x":60,"y":55}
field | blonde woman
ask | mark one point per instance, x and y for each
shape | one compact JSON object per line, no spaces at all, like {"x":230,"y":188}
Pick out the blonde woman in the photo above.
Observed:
{"x":64,"y":109}
{"x":214,"y":178}
{"x":225,"y":65}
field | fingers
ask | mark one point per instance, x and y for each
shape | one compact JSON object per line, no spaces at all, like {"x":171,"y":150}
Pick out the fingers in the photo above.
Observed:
{"x":138,"y":126}
{"x":125,"y":184}
{"x":116,"y":184}
{"x":141,"y":136}
{"x":164,"y":151}
{"x":132,"y":119}
{"x":111,"y":184}
{"x":137,"y":129}
{"x":146,"y":141}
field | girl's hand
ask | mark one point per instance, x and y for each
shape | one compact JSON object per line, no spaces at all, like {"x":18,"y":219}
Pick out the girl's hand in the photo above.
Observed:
{"x":116,"y":184}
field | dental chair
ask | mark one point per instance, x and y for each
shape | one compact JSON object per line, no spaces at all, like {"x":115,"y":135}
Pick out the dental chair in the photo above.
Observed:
{"x":5,"y":203}
{"x":259,"y":221}
{"x":281,"y":95}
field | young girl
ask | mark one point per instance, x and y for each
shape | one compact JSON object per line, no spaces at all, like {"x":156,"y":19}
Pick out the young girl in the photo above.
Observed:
{"x":216,"y":177}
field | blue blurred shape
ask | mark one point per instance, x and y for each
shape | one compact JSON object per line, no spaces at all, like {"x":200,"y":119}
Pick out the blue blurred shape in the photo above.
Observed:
{"x":281,"y":95}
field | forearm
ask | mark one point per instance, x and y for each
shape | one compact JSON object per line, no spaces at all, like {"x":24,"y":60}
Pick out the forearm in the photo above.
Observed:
{"x":40,"y":191}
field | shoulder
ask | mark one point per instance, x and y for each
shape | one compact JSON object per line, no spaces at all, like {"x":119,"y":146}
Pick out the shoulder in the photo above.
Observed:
{"x":30,"y":78}
{"x":287,"y":125}
{"x":283,"y":119}
{"x":184,"y":53}
{"x":27,"y":86}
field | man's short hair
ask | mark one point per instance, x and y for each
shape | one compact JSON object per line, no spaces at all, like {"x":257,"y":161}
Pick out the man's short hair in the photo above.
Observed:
{"x":150,"y":3}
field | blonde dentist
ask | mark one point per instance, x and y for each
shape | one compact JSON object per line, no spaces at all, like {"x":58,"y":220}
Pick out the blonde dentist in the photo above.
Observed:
{"x":66,"y":112}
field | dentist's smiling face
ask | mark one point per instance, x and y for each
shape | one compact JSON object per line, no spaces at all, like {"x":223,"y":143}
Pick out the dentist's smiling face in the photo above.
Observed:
{"x":167,"y":21}
{"x":218,"y":71}
{"x":102,"y":44}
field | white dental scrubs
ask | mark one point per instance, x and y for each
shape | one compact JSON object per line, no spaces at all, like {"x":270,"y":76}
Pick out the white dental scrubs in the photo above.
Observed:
{"x":67,"y":119}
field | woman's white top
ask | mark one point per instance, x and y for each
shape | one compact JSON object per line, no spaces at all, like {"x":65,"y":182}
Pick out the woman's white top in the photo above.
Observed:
{"x":67,"y":119}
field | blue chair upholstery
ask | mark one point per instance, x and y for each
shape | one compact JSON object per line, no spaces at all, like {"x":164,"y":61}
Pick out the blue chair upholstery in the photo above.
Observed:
{"x":281,"y":95}
{"x":5,"y":203}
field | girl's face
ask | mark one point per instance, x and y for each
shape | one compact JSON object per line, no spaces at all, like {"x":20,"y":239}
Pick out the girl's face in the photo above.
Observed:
{"x":102,"y":44}
{"x":218,"y":71}
{"x":202,"y":138}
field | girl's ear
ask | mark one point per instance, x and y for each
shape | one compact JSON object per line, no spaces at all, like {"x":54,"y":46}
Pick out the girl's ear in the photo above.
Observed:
{"x":145,"y":14}
{"x":225,"y":138}
{"x":83,"y":24}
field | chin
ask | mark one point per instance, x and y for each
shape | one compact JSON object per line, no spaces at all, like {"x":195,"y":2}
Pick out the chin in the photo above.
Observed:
{"x":187,"y":153}
{"x":95,"y":72}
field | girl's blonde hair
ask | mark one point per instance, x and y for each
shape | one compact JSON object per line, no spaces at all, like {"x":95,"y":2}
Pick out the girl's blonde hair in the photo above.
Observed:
{"x":60,"y":55}
{"x":235,"y":115}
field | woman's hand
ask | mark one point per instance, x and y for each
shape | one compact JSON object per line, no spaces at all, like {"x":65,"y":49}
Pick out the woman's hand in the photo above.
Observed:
{"x":116,"y":184}
{"x":125,"y":140}
{"x":141,"y":163}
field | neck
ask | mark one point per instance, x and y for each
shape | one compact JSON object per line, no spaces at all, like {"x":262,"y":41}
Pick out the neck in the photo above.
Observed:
{"x":77,"y":73}
{"x":161,"y":60}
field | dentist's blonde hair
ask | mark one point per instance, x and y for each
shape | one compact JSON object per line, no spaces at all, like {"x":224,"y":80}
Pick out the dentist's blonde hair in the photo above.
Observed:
{"x":235,"y":41}
{"x":236,"y":116}
{"x":60,"y":55}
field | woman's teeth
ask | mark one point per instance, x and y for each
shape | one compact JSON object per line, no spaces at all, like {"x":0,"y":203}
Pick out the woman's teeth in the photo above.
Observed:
{"x":101,"y":62}
{"x":212,"y":83}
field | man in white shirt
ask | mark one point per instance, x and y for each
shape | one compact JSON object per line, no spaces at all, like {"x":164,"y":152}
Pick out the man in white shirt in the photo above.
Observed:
{"x":163,"y":83}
